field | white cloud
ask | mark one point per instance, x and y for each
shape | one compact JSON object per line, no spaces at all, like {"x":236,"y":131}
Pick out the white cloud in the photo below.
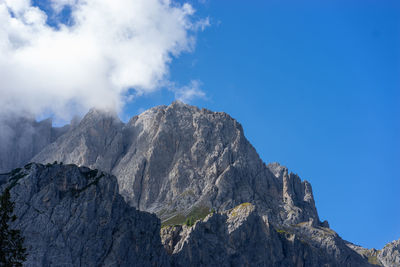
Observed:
{"x":189,"y":92}
{"x":58,"y":5}
{"x":110,"y":48}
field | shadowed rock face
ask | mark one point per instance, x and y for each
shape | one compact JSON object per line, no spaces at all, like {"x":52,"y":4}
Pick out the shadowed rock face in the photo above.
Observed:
{"x":74,"y":216}
{"x":172,"y":159}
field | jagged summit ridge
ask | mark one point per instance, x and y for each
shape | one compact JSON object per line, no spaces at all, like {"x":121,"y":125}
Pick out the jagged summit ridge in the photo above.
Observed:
{"x":172,"y":159}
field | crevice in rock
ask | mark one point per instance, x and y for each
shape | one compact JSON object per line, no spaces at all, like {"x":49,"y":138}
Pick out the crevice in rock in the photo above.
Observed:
{"x":141,"y":184}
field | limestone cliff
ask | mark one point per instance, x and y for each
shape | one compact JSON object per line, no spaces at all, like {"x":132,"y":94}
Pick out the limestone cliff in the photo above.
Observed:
{"x":171,"y":160}
{"x":74,"y":216}
{"x":241,"y":237}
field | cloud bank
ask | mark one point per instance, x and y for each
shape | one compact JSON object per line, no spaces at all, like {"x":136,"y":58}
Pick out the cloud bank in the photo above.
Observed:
{"x":109,"y":51}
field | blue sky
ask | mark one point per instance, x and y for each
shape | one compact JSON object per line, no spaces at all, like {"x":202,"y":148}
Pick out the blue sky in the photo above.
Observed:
{"x":316,"y":86}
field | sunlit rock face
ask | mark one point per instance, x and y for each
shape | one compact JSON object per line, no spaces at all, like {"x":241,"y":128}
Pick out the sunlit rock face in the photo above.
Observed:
{"x":74,"y":216}
{"x":172,"y":159}
{"x":241,"y":237}
{"x":390,"y":254}
{"x":219,"y":204}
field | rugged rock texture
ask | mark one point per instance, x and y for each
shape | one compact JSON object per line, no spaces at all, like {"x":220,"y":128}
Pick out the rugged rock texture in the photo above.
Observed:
{"x":297,"y":197}
{"x":371,"y":255}
{"x":74,"y":216}
{"x":22,"y":138}
{"x":241,"y":237}
{"x":173,"y":159}
{"x":390,"y":254}
{"x":184,"y":163}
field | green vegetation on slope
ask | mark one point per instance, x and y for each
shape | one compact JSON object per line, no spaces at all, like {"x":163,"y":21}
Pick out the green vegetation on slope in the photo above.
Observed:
{"x":197,"y":213}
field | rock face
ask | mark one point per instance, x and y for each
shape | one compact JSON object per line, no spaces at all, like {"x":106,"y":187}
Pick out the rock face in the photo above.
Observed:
{"x":390,"y":254}
{"x":22,"y":138}
{"x":74,"y":216}
{"x":183,"y":164}
{"x":241,"y":237}
{"x":173,"y":159}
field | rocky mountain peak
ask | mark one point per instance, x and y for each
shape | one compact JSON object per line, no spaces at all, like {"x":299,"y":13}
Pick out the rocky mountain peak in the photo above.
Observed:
{"x":95,"y":115}
{"x":219,"y":204}
{"x":177,"y":159}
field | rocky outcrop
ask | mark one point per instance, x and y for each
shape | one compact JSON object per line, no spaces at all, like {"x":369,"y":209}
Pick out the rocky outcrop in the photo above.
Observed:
{"x":22,"y":138}
{"x":241,"y":237}
{"x":74,"y":216}
{"x":390,"y":254}
{"x":297,"y":197}
{"x":371,"y":255}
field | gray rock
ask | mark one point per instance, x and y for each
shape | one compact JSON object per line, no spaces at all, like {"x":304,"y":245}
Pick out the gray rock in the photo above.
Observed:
{"x":74,"y":216}
{"x":241,"y":237}
{"x":170,"y":236}
{"x":179,"y":161}
{"x":371,"y":255}
{"x":297,"y":197}
{"x":172,"y":159}
{"x":390,"y":254}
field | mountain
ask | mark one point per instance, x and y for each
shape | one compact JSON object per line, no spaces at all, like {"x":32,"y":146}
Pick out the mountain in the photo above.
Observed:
{"x":74,"y":216}
{"x":174,"y":160}
{"x":241,"y":237}
{"x":217,"y":201}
